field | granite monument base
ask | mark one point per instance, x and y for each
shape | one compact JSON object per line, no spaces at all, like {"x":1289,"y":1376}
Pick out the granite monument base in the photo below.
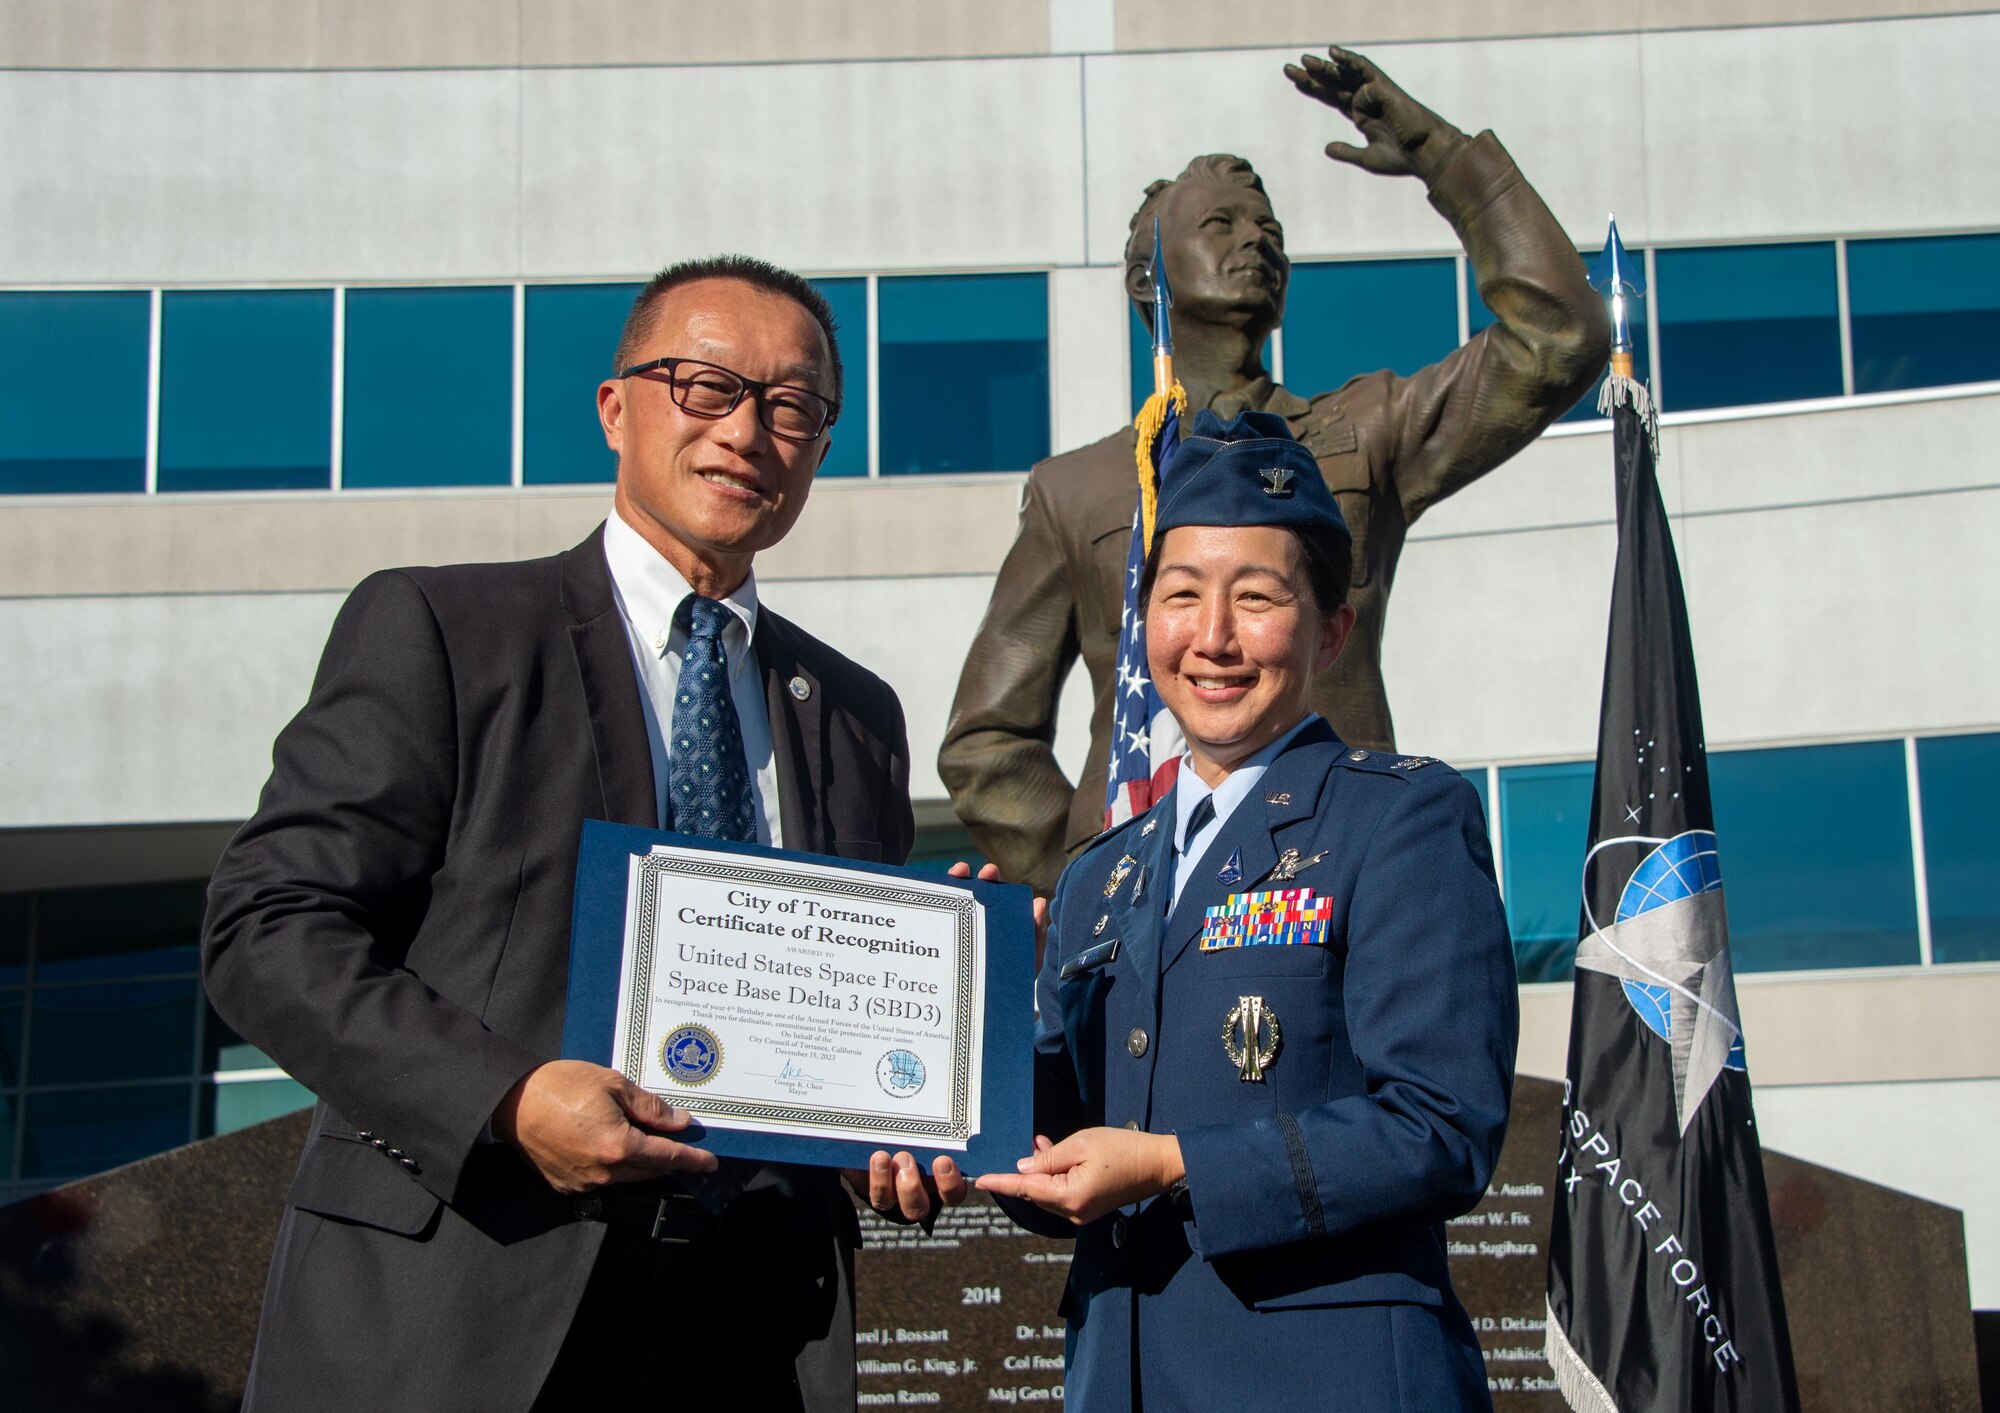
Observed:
{"x":139,"y":1290}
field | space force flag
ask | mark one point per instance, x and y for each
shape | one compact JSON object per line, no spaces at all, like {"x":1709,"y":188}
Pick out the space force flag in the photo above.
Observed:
{"x":1146,"y":743}
{"x":1663,"y":1278}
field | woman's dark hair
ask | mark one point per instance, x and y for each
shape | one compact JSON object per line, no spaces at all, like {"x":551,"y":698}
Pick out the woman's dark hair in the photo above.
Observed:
{"x":1329,"y":560}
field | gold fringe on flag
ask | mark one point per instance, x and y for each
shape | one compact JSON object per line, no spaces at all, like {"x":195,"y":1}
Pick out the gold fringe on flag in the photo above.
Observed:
{"x":1152,"y":417}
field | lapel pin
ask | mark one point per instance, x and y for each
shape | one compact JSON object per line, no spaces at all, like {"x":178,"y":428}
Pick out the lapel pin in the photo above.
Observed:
{"x":1149,"y":826}
{"x":1139,"y":886}
{"x":801,"y":689}
{"x":1231,"y":873}
{"x":1118,"y":872}
{"x":1102,"y":923}
{"x":1281,"y":797}
{"x":1250,"y":1038}
{"x":1290,"y":864}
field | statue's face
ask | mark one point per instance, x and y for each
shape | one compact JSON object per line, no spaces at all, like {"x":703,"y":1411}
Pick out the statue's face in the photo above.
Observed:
{"x":1225,"y":254}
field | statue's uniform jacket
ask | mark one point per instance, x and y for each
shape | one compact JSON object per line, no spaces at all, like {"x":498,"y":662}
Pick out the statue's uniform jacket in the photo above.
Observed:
{"x":1304,"y":1267}
{"x":1388,"y":447}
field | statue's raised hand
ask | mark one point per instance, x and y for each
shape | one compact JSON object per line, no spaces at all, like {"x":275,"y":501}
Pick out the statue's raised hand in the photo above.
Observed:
{"x":1404,"y":137}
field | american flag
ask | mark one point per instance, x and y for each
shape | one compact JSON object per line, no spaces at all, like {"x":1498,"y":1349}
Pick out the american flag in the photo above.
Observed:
{"x":1146,"y":742}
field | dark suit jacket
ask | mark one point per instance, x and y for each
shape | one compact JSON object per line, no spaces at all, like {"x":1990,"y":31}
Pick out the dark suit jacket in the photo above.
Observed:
{"x":1388,"y":446}
{"x":393,"y":928}
{"x":1308,"y":1262}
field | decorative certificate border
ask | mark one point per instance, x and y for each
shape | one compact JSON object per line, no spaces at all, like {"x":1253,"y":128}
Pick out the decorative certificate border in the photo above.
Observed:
{"x":647,"y":873}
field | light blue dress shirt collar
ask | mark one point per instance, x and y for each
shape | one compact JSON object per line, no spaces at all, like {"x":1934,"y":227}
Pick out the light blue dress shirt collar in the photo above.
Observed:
{"x":1190,"y":790}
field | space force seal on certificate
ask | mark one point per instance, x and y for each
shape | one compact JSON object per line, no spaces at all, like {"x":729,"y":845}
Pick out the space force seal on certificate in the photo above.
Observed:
{"x":803,"y":999}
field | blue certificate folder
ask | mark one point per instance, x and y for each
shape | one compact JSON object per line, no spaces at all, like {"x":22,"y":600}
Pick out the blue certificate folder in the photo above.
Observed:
{"x":596,"y":954}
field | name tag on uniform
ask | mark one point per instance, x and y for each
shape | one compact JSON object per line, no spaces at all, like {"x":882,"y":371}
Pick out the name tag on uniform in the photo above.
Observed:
{"x":1088,"y":960}
{"x":1282,"y":917}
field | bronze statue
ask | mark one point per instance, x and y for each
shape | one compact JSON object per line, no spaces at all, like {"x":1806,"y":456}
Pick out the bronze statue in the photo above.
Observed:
{"x":1388,"y":446}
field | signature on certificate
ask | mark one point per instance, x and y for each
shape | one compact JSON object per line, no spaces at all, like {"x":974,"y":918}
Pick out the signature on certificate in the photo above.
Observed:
{"x":790,"y":1070}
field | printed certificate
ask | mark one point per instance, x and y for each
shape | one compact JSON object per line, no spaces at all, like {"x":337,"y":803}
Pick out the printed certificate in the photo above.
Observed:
{"x":805,"y":1009}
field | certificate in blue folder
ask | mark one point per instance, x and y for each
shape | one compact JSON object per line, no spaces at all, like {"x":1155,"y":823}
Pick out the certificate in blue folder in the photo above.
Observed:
{"x":806,"y":1009}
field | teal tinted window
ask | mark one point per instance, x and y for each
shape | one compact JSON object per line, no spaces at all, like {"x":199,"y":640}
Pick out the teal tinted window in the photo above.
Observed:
{"x":572,"y":333}
{"x":849,"y":453}
{"x":13,"y":1034}
{"x":1478,"y":317}
{"x":1476,"y":776}
{"x":965,"y":372}
{"x":16,"y":919}
{"x":1350,"y":317}
{"x":1816,"y":861}
{"x":429,"y":388}
{"x":73,"y":1133}
{"x":121,"y":1031}
{"x":246,"y":390}
{"x":1747,"y":324}
{"x":1959,"y":779}
{"x":73,"y":392}
{"x":227,"y":1107}
{"x":105,"y":933}
{"x":1545,"y":827}
{"x":1924,"y":312}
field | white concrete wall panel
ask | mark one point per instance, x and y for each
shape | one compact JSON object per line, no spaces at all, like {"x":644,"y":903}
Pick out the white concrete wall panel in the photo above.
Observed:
{"x":258,"y":177}
{"x":1938,"y":1141}
{"x":830,"y":167}
{"x":1818,"y":130}
{"x":1495,"y":644}
{"x":130,"y":710}
{"x":141,"y":177}
{"x":1090,"y":355}
{"x":914,"y":633}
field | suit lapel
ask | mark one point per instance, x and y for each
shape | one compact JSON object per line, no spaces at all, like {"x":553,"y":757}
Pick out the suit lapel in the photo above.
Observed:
{"x":1289,"y":792}
{"x":1146,"y":898}
{"x":610,"y":687}
{"x":795,"y":734}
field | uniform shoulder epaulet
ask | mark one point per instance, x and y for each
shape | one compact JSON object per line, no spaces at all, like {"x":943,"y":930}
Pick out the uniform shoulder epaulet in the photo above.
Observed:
{"x":1386,"y":762}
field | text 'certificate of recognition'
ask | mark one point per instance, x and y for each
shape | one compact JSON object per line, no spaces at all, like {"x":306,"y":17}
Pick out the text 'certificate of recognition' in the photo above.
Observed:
{"x":803,"y":999}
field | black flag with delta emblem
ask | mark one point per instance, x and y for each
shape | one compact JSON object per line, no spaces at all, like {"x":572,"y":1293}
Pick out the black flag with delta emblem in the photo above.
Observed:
{"x":1663,"y":1280}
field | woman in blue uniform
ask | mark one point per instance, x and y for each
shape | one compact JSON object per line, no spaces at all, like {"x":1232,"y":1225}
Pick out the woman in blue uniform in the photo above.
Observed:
{"x":1276,"y":1015}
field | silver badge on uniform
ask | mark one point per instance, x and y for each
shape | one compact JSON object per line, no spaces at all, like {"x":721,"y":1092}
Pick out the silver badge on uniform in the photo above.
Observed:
{"x":1278,"y":481}
{"x":1250,"y":1038}
{"x":1118,"y":872}
{"x":1290,"y":865}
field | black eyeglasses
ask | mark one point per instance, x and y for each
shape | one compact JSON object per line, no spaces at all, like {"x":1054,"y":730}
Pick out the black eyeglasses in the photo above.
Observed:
{"x":710,"y":390}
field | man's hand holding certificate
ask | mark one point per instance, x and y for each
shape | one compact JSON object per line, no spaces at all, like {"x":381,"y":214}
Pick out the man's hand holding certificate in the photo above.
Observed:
{"x":805,"y":1009}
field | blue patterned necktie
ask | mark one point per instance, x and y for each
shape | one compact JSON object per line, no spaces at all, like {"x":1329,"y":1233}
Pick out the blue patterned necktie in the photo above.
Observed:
{"x":708,"y":793}
{"x":708,"y":780}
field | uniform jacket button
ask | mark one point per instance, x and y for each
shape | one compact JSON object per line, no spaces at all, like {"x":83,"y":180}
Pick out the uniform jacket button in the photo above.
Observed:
{"x":1118,"y":1232}
{"x":1132,"y":1123}
{"x":1137,"y":1041}
{"x":589,"y":1209}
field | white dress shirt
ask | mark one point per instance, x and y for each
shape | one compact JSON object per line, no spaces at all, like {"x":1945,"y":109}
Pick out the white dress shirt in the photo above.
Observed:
{"x":650,"y":592}
{"x":1190,"y":790}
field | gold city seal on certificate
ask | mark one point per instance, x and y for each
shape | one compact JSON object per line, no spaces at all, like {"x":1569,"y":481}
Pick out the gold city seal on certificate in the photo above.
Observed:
{"x":803,"y":999}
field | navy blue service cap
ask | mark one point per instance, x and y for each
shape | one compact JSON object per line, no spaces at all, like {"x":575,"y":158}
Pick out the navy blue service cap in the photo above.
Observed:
{"x":1249,"y":471}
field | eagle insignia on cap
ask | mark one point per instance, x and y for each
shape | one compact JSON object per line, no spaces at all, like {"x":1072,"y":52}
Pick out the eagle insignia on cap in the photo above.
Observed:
{"x":1278,"y":480}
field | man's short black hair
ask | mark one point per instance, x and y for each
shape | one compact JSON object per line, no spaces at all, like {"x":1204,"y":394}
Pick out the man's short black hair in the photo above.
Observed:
{"x":1329,"y":562}
{"x":644,"y":318}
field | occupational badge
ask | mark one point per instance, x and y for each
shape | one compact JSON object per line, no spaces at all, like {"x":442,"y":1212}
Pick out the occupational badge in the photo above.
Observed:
{"x":1102,"y":923}
{"x":1250,"y":1038}
{"x":1118,"y":872}
{"x":1290,"y":864}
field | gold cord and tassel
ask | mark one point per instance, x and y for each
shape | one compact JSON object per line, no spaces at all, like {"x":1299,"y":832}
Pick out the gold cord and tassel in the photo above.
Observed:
{"x":1152,"y":417}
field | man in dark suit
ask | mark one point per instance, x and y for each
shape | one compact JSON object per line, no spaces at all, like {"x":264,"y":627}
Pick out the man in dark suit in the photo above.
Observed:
{"x":476,"y":1224}
{"x":1389,"y":447}
{"x":1276,"y":1017}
